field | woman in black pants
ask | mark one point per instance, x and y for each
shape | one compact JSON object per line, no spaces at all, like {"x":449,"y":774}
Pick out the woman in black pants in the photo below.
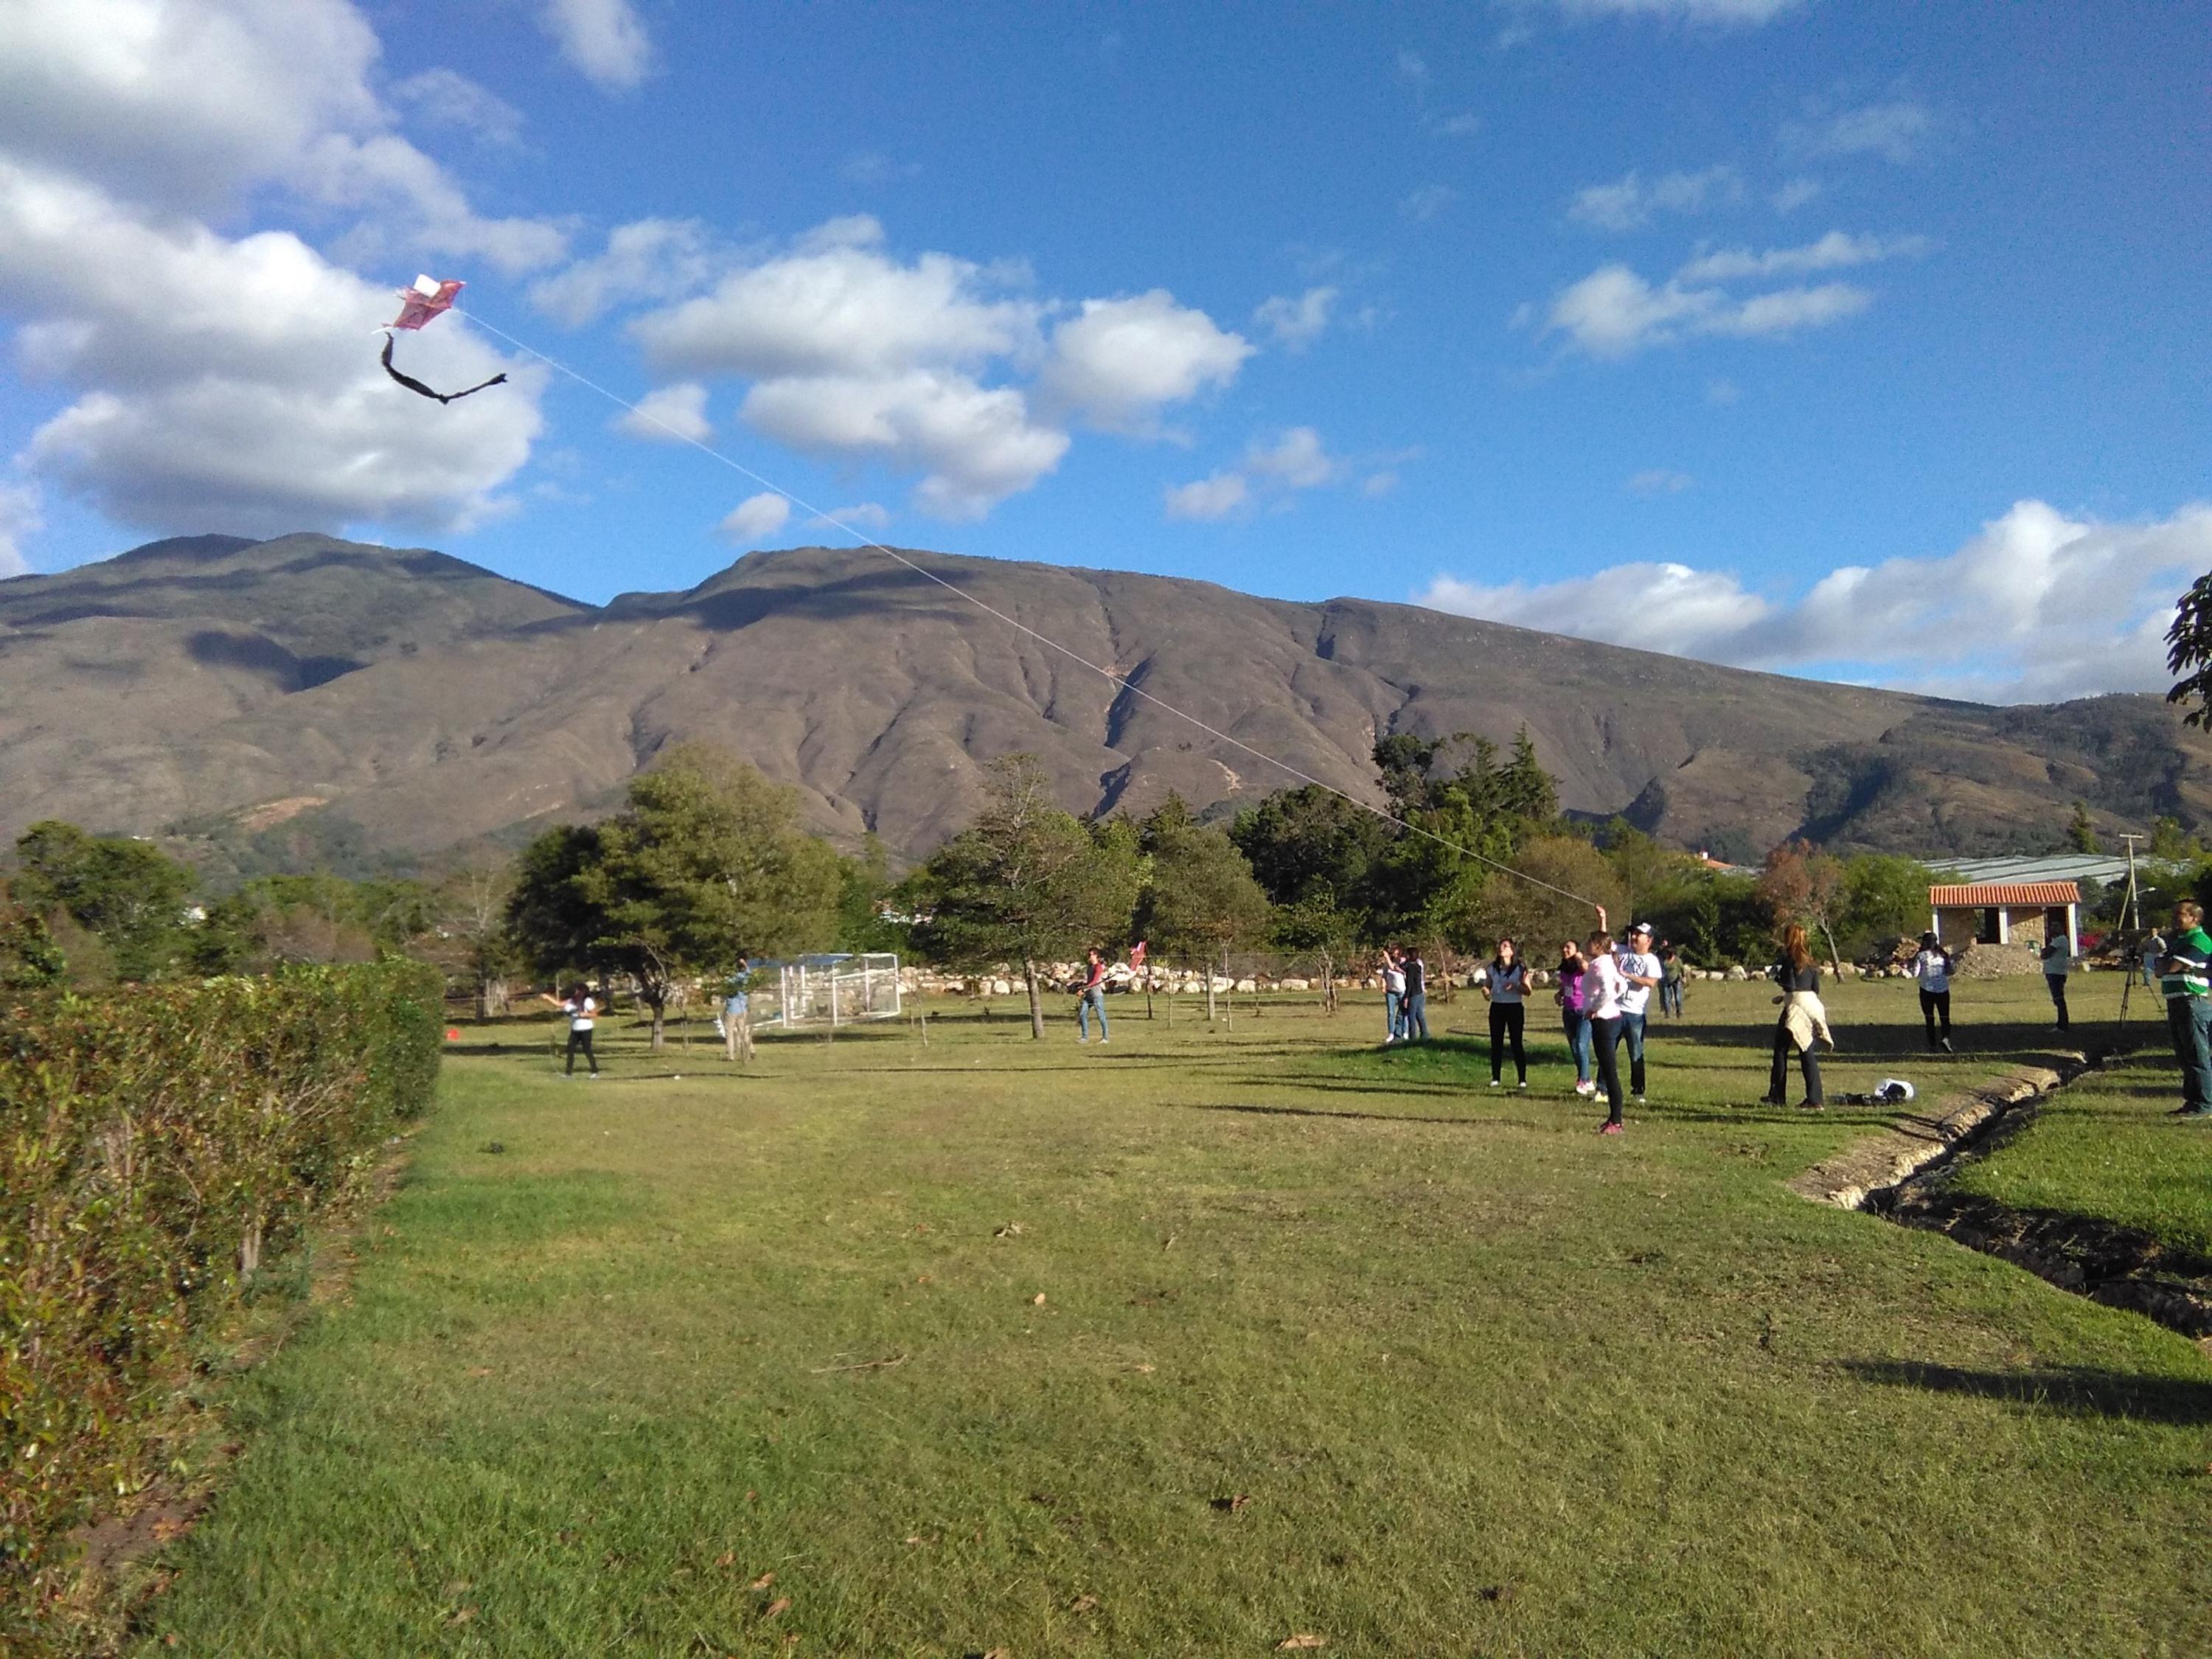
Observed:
{"x":1505,"y":982}
{"x":1804,"y":1022}
{"x":1604,"y":987}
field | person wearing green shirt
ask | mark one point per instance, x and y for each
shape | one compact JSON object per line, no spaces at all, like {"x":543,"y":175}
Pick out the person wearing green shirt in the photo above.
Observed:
{"x":2186,"y":975}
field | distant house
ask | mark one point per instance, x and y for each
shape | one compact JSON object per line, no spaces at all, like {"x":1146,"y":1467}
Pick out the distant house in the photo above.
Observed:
{"x":2007,"y":913}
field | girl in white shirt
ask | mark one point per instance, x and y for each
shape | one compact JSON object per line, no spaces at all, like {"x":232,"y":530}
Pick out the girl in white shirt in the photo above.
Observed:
{"x":1932,"y":968}
{"x":1606,"y":988}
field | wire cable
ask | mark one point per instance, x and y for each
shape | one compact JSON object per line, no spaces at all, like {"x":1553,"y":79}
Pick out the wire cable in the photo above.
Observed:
{"x":1123,"y":680}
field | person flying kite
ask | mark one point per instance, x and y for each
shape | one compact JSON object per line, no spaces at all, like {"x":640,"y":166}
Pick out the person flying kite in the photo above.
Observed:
{"x":427,"y":300}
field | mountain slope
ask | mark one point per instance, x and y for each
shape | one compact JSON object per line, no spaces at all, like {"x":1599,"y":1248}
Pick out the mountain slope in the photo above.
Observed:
{"x":430,"y":701}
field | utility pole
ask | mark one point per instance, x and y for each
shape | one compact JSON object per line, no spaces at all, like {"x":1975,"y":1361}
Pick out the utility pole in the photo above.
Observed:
{"x":2130,"y":930}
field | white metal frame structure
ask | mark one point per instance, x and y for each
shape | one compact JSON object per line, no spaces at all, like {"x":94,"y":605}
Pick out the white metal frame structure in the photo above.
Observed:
{"x":841,"y":989}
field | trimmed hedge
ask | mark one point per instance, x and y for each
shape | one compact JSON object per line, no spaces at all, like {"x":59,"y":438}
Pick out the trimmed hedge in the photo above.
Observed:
{"x":154,"y":1145}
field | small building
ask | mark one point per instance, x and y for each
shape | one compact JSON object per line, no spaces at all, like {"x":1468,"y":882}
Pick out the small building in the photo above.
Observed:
{"x":2007,"y":913}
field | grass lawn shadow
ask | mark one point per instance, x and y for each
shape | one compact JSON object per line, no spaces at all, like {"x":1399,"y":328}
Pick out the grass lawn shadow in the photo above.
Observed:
{"x":2076,"y":1388}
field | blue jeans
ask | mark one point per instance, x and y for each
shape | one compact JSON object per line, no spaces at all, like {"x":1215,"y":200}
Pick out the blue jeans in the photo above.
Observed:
{"x":1390,"y":1014}
{"x":1632,"y":1027}
{"x":1413,"y":1015}
{"x":2189,"y":1023}
{"x":1578,"y":1041}
{"x":1091,"y":1000}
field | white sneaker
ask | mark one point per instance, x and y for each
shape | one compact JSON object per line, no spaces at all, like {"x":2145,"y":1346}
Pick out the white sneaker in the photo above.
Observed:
{"x":1495,"y":1084}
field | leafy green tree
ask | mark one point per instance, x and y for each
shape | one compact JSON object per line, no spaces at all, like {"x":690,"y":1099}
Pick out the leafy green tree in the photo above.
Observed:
{"x":2169,"y":841}
{"x":1316,"y":927}
{"x":864,"y":894}
{"x":1027,"y":883}
{"x":125,"y":893}
{"x":1300,"y":840}
{"x":705,"y":864}
{"x":1885,"y":896}
{"x":1538,"y":918}
{"x":1199,"y":898}
{"x":2189,"y":652}
{"x":29,"y":958}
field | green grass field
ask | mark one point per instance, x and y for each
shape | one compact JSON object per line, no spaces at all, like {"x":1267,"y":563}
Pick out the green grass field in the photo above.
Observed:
{"x":1192,"y":1343}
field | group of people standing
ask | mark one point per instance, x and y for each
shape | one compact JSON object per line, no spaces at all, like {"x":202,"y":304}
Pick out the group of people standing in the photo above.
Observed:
{"x":1603,"y":994}
{"x":1405,"y":995}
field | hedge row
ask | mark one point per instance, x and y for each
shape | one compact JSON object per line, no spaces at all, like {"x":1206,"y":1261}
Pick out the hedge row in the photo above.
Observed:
{"x":154,"y":1145}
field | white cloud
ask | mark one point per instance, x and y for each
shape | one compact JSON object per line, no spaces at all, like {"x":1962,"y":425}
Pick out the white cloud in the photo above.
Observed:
{"x":19,"y":517}
{"x":1657,"y":481}
{"x":840,"y":308}
{"x":1893,"y":132}
{"x":1272,"y":471}
{"x":1378,"y":484}
{"x":603,"y":39}
{"x":1412,"y":67}
{"x":1425,"y":204}
{"x":1120,"y":361}
{"x":1723,"y":392}
{"x":870,"y":166}
{"x":1628,"y":203}
{"x":2036,"y":607}
{"x":1832,"y":251}
{"x":1465,"y":124}
{"x":977,"y":444}
{"x":1613,"y":311}
{"x":185,"y":107}
{"x":754,"y":518}
{"x":444,"y":98}
{"x":669,"y":413}
{"x":235,"y":383}
{"x":1296,"y":324}
{"x":1796,"y":193}
{"x":648,"y":261}
{"x":1214,"y":497}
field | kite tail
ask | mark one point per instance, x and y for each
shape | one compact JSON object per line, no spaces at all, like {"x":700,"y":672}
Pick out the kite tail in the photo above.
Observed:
{"x":414,"y":385}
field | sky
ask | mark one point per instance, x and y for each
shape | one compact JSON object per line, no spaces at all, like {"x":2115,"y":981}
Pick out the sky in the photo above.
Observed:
{"x":1860,"y":341}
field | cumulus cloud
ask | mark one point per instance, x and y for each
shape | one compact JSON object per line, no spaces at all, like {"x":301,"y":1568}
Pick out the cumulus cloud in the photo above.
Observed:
{"x":1613,"y":311}
{"x":2037,"y":606}
{"x":1796,"y":193}
{"x":1893,"y":132}
{"x":1628,"y":203}
{"x":754,"y":518}
{"x":860,"y":516}
{"x":603,"y":39}
{"x":646,"y":262}
{"x":234,"y":382}
{"x":1658,"y":481}
{"x":1119,"y":362}
{"x":1423,"y":204}
{"x":19,"y":517}
{"x":441,"y":98}
{"x":669,"y":413}
{"x":184,"y":108}
{"x":1271,"y":472}
{"x":1296,"y":324}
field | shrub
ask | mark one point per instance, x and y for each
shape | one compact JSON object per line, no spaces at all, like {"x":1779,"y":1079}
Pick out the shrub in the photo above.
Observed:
{"x":154,"y":1143}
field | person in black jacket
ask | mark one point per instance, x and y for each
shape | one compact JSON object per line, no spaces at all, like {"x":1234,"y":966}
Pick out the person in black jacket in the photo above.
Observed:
{"x":1802,"y":1023}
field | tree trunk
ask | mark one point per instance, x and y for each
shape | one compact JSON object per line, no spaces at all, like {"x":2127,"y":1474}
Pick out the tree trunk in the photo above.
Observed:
{"x":1328,"y":984}
{"x":660,"y":1006}
{"x":1835,"y":962}
{"x":1036,"y":1002}
{"x":1209,"y":994}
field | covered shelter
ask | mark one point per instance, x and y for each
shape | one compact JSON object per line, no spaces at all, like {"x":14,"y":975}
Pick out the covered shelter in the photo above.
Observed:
{"x":2007,"y":913}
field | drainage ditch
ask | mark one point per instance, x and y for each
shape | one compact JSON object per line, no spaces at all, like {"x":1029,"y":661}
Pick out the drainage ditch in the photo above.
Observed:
{"x":1907,"y":1176}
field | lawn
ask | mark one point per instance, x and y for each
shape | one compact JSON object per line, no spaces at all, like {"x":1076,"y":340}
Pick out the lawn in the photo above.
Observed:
{"x":1189,"y":1344}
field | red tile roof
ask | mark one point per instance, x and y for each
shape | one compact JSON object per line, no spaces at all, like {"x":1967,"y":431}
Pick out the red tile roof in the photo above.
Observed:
{"x":1985,"y":895}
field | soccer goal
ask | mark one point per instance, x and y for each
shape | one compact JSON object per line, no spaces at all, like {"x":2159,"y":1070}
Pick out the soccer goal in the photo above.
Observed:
{"x":843,"y":989}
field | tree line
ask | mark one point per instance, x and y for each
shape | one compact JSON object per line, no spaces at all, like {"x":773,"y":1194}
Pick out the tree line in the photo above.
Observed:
{"x":708,"y":864}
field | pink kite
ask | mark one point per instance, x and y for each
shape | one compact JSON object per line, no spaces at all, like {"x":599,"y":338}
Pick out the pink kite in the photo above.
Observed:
{"x":427,"y":300}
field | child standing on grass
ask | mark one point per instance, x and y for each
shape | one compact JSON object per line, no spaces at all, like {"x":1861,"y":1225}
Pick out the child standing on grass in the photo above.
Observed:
{"x":1606,"y":990}
{"x":1574,"y":1012}
{"x":583,"y":1015}
{"x":1505,"y":985}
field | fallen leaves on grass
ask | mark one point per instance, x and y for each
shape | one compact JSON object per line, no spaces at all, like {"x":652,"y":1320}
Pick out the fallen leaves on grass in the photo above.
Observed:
{"x":781,"y":1605}
{"x":1083,"y":1604}
{"x":1011,"y":1230}
{"x":1499,"y":1593}
{"x":762,"y":1582}
{"x":1304,"y":1639}
{"x":1038,"y":1301}
{"x":727,"y":1559}
{"x":1230,"y":1506}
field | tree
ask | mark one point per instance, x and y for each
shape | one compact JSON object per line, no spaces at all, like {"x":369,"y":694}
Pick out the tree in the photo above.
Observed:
{"x":1885,"y":896}
{"x":1200,"y":898}
{"x":2080,"y":833}
{"x":1803,"y":885}
{"x":2189,"y":652}
{"x":472,"y":934}
{"x":29,"y":958}
{"x":125,"y":893}
{"x":705,"y":864}
{"x":1027,"y":883}
{"x":1315,"y":926}
{"x":1541,"y":920}
{"x":1301,"y":840}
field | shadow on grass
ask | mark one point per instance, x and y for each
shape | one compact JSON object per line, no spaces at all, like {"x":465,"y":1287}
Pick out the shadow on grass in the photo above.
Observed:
{"x":2077,"y":1389}
{"x":1359,"y":1117}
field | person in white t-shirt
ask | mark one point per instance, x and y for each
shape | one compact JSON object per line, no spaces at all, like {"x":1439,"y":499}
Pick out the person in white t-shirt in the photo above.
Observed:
{"x":1394,"y":995}
{"x":1604,"y":987}
{"x":1642,"y":970}
{"x":2057,"y":954}
{"x":583,"y":1015}
{"x":1932,"y":968}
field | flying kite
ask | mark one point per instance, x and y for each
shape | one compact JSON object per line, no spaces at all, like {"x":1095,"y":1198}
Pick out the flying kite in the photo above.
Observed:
{"x":427,"y":300}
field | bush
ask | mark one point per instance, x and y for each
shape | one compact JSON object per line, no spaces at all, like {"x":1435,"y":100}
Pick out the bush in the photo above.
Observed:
{"x":154,"y":1143}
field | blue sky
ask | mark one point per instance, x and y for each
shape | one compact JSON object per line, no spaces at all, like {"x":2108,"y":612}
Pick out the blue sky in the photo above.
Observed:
{"x":1844,"y":339}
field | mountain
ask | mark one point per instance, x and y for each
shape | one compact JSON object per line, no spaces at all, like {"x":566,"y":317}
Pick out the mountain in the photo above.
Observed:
{"x":411,"y":702}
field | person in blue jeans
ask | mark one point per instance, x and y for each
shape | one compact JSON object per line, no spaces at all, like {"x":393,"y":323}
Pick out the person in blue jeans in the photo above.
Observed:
{"x":1574,"y":1014}
{"x":1394,"y":996}
{"x":1640,"y":968}
{"x":1092,"y":999}
{"x":1414,"y":1011}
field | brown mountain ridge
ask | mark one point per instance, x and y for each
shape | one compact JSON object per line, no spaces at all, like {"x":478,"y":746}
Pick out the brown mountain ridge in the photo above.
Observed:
{"x":212,"y":679}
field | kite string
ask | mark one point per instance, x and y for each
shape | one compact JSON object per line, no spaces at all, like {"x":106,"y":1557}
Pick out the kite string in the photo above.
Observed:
{"x":1124,"y":681}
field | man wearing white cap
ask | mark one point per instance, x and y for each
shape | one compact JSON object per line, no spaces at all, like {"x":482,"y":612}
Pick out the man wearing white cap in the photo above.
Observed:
{"x":1641,"y":969}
